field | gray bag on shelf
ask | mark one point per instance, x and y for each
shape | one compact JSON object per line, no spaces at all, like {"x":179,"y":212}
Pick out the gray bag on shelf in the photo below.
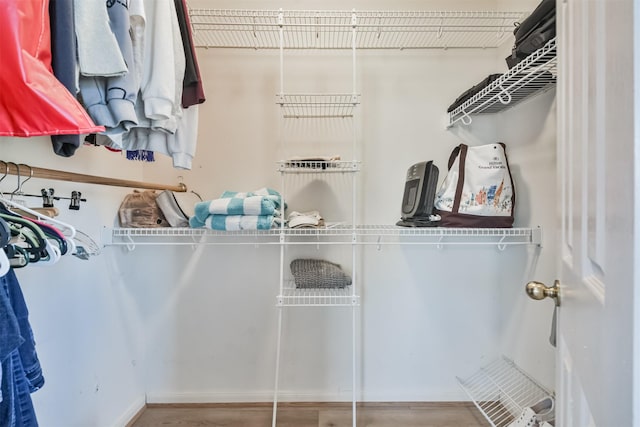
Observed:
{"x":317,"y":273}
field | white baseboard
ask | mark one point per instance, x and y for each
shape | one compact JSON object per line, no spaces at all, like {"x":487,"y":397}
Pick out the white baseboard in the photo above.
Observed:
{"x":297,"y":396}
{"x":241,"y":397}
{"x":131,"y":412}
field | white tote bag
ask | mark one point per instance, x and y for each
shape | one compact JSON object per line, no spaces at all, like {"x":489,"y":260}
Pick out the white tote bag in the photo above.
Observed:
{"x":478,"y":190}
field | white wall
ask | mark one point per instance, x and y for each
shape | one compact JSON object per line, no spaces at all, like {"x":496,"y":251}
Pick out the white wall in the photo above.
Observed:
{"x":198,"y":324}
{"x":427,"y":315}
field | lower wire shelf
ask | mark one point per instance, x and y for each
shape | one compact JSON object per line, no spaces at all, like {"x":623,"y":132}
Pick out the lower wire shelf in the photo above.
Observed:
{"x":501,"y":391}
{"x":305,"y":297}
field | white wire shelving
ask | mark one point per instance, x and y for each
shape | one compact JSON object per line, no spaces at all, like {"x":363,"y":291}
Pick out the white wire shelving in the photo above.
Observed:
{"x":535,"y":74}
{"x":318,"y":166}
{"x":322,"y":29}
{"x":312,"y":106}
{"x":334,"y":235}
{"x":318,"y":297}
{"x":501,"y":390}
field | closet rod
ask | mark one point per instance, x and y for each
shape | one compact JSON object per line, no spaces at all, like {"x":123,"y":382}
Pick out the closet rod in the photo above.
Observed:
{"x":27,"y":171}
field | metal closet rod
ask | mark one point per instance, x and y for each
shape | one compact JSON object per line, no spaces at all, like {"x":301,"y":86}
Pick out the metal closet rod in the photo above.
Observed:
{"x":13,"y":168}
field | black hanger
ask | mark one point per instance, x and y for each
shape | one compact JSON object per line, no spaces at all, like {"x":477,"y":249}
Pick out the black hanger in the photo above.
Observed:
{"x":53,"y":234}
{"x":34,"y":236}
{"x":5,"y":233}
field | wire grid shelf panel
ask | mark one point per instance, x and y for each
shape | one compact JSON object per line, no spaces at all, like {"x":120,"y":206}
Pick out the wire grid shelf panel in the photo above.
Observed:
{"x":318,"y":166}
{"x":309,"y":29}
{"x":425,"y":30}
{"x":330,"y":234}
{"x":337,"y":232}
{"x":502,"y":237}
{"x":300,"y":106}
{"x":535,"y":74}
{"x":501,"y":390}
{"x":331,"y":229}
{"x":304,"y":297}
{"x":187,"y":236}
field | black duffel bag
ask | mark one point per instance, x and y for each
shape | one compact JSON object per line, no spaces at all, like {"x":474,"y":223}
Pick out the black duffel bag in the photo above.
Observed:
{"x":534,"y":32}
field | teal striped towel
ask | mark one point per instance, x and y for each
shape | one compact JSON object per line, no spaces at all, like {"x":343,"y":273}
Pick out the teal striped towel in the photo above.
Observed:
{"x":251,"y":205}
{"x":269,"y":193}
{"x":235,"y":222}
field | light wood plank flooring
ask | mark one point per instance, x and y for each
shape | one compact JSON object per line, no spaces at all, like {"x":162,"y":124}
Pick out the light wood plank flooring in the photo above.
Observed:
{"x":432,"y":414}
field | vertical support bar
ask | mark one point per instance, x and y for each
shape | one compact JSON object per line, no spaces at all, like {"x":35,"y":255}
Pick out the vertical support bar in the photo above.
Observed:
{"x":281,"y":33}
{"x":354,"y":22}
{"x":282,"y":227}
{"x":354,"y":144}
{"x":354,"y":247}
{"x":353,"y":364}
{"x":274,"y":416}
{"x":276,"y":386}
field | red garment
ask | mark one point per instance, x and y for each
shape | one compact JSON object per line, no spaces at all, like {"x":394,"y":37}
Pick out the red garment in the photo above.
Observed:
{"x":32,"y":101}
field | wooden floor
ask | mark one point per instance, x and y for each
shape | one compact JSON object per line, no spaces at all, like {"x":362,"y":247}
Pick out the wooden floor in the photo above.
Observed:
{"x":454,"y":414}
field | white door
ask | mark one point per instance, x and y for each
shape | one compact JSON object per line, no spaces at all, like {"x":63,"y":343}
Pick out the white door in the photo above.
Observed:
{"x":596,"y":382}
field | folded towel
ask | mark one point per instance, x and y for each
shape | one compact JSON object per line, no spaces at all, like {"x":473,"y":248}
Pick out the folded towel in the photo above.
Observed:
{"x":252,"y":205}
{"x":266,"y":192}
{"x":311,"y":219}
{"x":235,"y":222}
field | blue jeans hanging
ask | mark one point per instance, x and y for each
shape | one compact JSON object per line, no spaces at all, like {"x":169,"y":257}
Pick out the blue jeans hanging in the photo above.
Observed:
{"x":21,"y":372}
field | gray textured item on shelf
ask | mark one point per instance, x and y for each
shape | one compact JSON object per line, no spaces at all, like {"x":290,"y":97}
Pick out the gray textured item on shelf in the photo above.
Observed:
{"x":317,"y":273}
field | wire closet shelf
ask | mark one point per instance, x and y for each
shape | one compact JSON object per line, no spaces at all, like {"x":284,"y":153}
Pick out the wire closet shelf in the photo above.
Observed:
{"x":536,"y":73}
{"x":318,"y":297}
{"x":310,"y":106}
{"x":501,"y":390}
{"x":333,"y":234}
{"x":318,"y":166}
{"x":314,"y":29}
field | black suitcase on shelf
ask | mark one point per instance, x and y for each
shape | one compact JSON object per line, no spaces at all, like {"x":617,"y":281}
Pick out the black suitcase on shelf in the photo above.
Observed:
{"x":534,"y":32}
{"x":468,"y":94}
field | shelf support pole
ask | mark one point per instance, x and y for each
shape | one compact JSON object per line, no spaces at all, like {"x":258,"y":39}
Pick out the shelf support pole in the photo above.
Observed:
{"x":274,"y":416}
{"x":281,"y":41}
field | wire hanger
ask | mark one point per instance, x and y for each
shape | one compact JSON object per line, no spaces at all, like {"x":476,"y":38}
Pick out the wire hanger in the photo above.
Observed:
{"x":5,"y":265}
{"x":5,"y":233}
{"x":68,"y":229}
{"x":82,"y":248}
{"x":5,"y":236}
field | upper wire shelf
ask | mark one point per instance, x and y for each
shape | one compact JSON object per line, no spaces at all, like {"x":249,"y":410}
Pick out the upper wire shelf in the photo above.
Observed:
{"x":534,"y":74}
{"x":313,"y":29}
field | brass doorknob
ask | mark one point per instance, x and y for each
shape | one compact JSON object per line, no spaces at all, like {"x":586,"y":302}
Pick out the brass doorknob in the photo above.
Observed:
{"x":539,"y":291}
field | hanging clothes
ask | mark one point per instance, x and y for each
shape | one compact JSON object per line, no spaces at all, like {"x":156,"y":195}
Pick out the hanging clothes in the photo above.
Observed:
{"x":110,"y":99}
{"x":192,"y":90}
{"x":164,"y":126}
{"x":32,"y":101}
{"x":164,"y":65}
{"x":98,"y":50}
{"x":21,"y":371}
{"x":64,"y":64}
